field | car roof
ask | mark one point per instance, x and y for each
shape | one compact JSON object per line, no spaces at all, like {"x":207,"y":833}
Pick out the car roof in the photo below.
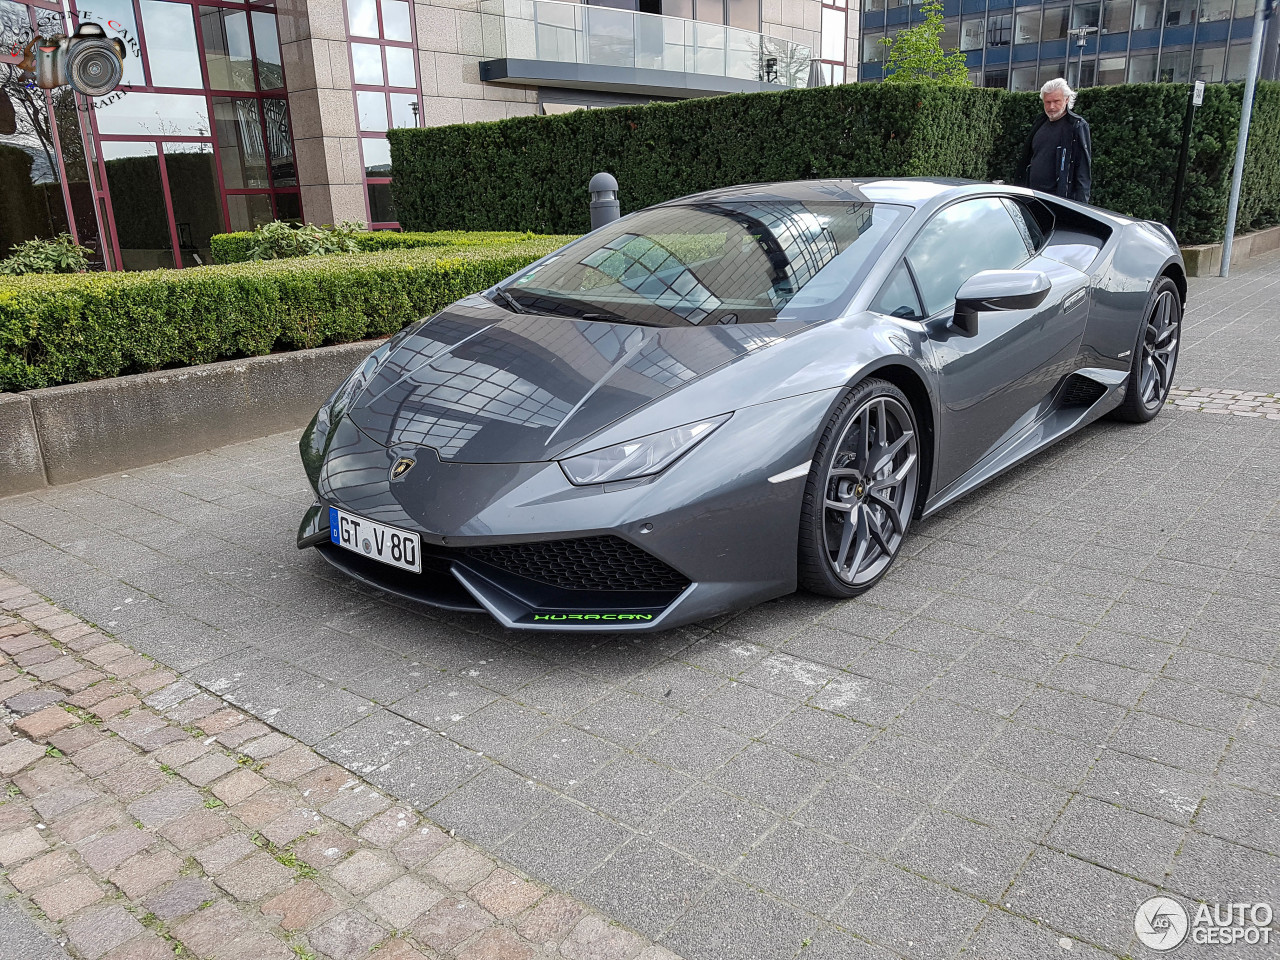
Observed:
{"x":911,"y":191}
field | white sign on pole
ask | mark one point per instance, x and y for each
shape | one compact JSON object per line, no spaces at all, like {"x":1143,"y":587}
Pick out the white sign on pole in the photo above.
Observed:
{"x":1198,"y":98}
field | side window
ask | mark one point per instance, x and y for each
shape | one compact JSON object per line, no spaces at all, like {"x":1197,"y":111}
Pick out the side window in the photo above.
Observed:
{"x":964,"y":239}
{"x":1032,"y":233}
{"x":898,"y":297}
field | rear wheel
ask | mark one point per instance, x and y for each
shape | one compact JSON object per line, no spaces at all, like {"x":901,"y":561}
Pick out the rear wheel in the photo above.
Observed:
{"x":861,"y":491}
{"x":1154,"y":356}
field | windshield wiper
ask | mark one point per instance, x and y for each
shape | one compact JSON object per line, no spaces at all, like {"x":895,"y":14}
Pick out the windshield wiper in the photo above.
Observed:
{"x":512,"y":303}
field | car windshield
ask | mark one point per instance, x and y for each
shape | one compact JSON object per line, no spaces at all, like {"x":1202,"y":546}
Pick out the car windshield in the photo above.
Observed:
{"x":722,"y":261}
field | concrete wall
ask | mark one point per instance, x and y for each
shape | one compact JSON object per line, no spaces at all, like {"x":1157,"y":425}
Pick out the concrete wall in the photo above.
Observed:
{"x":62,"y":434}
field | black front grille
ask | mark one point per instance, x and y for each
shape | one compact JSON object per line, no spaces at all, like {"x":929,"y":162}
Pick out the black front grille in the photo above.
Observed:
{"x":590,"y":563}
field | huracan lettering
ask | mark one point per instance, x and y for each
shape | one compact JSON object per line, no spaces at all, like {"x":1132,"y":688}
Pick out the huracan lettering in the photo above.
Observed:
{"x":593,"y":616}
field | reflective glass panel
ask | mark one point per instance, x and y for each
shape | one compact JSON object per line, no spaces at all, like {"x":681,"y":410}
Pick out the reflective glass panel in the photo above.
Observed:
{"x":873,"y":51}
{"x":950,"y":38}
{"x":193,"y":189}
{"x":1211,"y":10}
{"x":1210,"y":62}
{"x":1245,"y":9}
{"x":226,"y":48}
{"x":381,"y":209}
{"x":1178,"y":13}
{"x":1049,"y":72}
{"x":973,"y":34}
{"x":1024,"y":79}
{"x":964,"y":239}
{"x":999,"y":30}
{"x":1116,"y":15}
{"x":137,"y":198}
{"x":171,"y":44}
{"x":1237,"y":62}
{"x":1054,"y":26}
{"x":362,"y":18}
{"x":119,"y":12}
{"x":275,"y":113}
{"x":395,"y":20}
{"x":1146,"y":14}
{"x":833,"y":38}
{"x":1175,"y":66}
{"x":76,"y":167}
{"x":402,"y":110}
{"x":1111,"y":71}
{"x":155,"y":114}
{"x":238,"y":133}
{"x":1026,"y":28}
{"x":289,"y":207}
{"x":400,"y":72}
{"x":246,"y":210}
{"x":377,"y":157}
{"x":373,"y":110}
{"x":1142,"y":69}
{"x":1085,"y":15}
{"x":366,"y":63}
{"x":266,"y":43}
{"x":31,"y":202}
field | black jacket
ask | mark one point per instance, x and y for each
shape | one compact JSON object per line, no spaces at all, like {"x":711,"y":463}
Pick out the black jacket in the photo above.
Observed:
{"x":1079,"y":176}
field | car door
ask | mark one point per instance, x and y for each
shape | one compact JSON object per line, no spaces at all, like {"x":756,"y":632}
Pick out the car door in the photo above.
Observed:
{"x":991,"y":383}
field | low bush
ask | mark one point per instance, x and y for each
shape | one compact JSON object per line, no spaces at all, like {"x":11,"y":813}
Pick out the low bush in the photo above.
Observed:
{"x":238,"y":247}
{"x":66,"y":329}
{"x":279,"y":241}
{"x":59,"y":255}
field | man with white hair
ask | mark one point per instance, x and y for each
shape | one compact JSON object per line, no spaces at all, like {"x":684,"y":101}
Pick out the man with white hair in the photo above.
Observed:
{"x":1057,"y":156}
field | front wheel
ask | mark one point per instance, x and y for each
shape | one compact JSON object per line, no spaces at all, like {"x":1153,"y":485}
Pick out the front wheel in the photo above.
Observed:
{"x":1155,"y":356}
{"x":861,"y":491}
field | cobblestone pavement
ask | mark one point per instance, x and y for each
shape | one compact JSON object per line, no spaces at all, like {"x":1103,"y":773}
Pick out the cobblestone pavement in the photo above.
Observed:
{"x":1064,"y":698}
{"x":146,"y":817}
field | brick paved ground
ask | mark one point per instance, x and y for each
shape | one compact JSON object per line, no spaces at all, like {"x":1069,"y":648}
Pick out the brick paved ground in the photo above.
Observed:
{"x":1065,"y":698}
{"x":144,"y":817}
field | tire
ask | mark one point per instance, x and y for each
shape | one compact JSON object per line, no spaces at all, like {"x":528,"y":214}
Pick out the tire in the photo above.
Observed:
{"x":860,"y":496}
{"x":1155,"y":356}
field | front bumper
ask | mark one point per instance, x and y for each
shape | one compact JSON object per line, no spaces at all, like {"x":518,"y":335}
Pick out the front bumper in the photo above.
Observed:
{"x":718,"y":534}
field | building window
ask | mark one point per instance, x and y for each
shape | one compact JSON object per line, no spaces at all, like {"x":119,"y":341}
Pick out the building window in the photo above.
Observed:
{"x":1175,"y":66}
{"x":1146,"y":14}
{"x":1111,"y":71}
{"x":1116,"y":15}
{"x":1055,"y":24}
{"x":1084,"y":15}
{"x":1211,"y":10}
{"x":1209,"y":64}
{"x":1178,"y":13}
{"x":972,"y":34}
{"x":1142,"y":69}
{"x":873,"y":51}
{"x":1027,"y":26}
{"x":999,"y":31}
{"x":1237,"y":62}
{"x":1023,"y":79}
{"x":998,"y":79}
{"x":384,"y":67}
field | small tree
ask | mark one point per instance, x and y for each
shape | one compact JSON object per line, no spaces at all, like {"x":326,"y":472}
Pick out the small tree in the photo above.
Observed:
{"x":916,"y":54}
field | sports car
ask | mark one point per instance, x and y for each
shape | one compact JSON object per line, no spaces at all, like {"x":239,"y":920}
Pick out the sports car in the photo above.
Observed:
{"x":714,"y":401}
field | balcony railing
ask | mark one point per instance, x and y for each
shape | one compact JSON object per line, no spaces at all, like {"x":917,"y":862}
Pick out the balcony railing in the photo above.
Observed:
{"x":575,"y":33}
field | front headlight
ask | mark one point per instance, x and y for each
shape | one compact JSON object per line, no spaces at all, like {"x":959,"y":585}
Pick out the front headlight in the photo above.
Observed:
{"x":641,"y":457}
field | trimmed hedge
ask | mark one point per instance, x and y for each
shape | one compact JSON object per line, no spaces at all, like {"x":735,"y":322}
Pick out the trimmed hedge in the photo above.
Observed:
{"x":531,"y":173}
{"x":70,"y":328}
{"x":234,"y":247}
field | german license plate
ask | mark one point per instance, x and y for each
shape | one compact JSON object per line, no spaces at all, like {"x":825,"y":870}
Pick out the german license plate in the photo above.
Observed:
{"x":377,"y":541}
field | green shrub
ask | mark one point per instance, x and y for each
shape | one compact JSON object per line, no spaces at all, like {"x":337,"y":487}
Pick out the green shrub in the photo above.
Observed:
{"x":531,"y":173}
{"x":59,"y":255}
{"x":278,"y":241}
{"x":236,"y":247}
{"x":67,"y":329}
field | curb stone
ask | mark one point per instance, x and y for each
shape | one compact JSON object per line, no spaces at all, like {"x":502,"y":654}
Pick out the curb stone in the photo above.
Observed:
{"x":132,"y":831}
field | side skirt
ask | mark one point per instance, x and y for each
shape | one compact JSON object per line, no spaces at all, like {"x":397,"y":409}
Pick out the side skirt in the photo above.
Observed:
{"x":1063,"y":419}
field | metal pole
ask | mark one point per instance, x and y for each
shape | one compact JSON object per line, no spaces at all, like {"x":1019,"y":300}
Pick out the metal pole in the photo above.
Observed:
{"x":1242,"y":140}
{"x":1180,"y":183}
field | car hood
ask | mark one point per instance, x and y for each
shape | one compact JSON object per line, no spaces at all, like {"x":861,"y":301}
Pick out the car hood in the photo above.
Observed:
{"x":480,"y":385}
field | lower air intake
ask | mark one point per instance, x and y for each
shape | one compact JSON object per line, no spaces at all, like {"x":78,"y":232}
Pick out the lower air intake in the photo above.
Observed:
{"x":1081,"y":391}
{"x":590,"y":563}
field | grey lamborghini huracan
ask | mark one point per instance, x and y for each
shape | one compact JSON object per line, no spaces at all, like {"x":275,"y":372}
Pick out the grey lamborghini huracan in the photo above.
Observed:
{"x":714,"y":401}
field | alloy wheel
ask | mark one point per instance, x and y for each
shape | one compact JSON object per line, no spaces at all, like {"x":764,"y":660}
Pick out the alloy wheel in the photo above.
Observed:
{"x":1160,"y":349}
{"x":870,"y":490}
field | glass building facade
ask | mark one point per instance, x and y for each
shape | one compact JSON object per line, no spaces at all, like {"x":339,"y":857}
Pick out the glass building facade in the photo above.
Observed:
{"x":1089,"y":42}
{"x":232,"y":114}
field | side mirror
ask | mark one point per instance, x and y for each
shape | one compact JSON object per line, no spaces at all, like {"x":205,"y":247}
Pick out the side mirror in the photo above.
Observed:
{"x":998,"y":290}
